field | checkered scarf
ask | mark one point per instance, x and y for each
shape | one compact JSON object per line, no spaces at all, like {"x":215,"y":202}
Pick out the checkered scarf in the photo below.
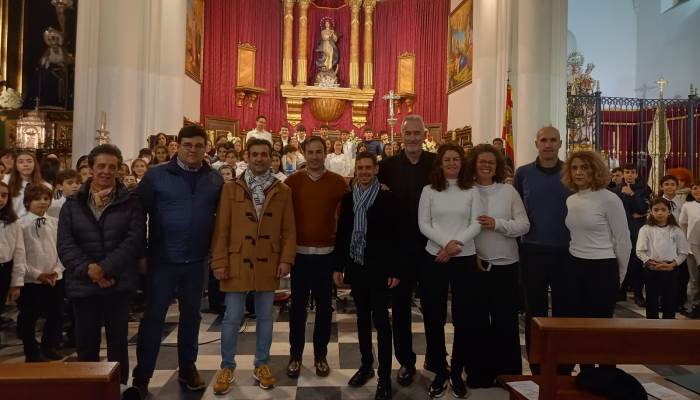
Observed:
{"x":362,"y":201}
{"x":258,"y":185}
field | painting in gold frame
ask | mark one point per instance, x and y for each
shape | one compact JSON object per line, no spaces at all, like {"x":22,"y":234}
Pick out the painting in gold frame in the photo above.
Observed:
{"x":194,"y":40}
{"x":460,"y":46}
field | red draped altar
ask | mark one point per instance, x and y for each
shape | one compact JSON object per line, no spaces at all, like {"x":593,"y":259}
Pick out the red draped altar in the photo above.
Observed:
{"x":400,"y":26}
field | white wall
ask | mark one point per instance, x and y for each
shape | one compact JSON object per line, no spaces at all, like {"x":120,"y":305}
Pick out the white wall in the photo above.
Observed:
{"x":668,"y":46}
{"x":606,"y":35}
{"x":191,"y":99}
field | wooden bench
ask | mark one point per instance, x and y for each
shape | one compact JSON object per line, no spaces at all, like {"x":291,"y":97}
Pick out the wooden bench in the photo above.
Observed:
{"x":59,"y":381}
{"x":556,"y":341}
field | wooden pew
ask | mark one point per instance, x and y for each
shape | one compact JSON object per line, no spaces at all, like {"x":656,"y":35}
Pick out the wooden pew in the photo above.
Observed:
{"x":59,"y":381}
{"x":557,"y":341}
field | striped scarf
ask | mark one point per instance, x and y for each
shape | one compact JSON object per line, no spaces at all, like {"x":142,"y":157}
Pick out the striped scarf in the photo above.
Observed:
{"x":258,"y":185}
{"x":362,"y":201}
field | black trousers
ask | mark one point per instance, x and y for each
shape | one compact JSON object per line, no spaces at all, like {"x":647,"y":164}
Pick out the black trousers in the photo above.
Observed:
{"x":373,"y":307}
{"x":401,"y":319}
{"x":90,"y":313}
{"x":662,"y":287}
{"x":436,"y":279}
{"x":493,"y":313}
{"x":592,"y":289}
{"x":311,"y":275}
{"x":38,"y":300}
{"x":634,"y":278}
{"x":682,"y":285}
{"x":215,"y":295}
{"x":543,"y":269}
{"x":5,"y":277}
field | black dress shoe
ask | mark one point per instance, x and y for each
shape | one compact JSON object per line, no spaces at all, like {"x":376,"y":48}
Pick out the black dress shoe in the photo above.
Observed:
{"x":293,"y":368}
{"x":383,"y":389}
{"x":50,"y":354}
{"x":361,"y":377}
{"x":405,"y":375}
{"x":439,"y":386}
{"x":459,"y":389}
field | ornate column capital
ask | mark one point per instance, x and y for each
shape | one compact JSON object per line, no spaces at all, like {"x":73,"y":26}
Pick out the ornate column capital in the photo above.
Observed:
{"x":304,"y":3}
{"x":369,"y":6}
{"x":354,"y":4}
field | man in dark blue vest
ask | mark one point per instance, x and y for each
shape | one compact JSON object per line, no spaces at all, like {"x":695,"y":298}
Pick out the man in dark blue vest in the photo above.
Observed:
{"x":180,"y":199}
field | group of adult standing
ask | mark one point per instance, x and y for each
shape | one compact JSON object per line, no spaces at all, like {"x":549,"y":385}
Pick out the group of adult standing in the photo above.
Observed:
{"x":415,"y":221}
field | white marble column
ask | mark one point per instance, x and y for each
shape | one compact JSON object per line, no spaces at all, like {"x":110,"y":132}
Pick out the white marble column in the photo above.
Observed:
{"x":129,"y":63}
{"x":539,"y":82}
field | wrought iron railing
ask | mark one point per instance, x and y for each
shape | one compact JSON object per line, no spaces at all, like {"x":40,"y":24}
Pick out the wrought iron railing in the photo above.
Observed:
{"x":619,"y":128}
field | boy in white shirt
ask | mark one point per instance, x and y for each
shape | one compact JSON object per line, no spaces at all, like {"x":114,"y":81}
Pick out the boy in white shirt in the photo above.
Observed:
{"x":67,"y":184}
{"x":38,"y":283}
{"x":689,"y":221}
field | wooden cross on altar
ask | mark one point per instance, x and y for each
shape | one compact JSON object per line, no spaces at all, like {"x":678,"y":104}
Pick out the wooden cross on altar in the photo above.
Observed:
{"x":662,"y":83}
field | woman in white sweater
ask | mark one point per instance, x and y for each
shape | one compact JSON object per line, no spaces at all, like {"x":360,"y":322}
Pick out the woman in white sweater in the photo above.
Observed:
{"x":447,"y":215}
{"x":600,"y":244}
{"x":495,"y":311}
{"x":338,"y":162}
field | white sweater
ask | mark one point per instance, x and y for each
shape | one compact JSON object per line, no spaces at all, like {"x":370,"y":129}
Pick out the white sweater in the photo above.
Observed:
{"x":598,"y":227}
{"x":11,"y":244}
{"x":677,"y":205}
{"x":340,"y":164}
{"x":503,"y":203}
{"x":55,"y":207}
{"x":690,"y":221}
{"x":662,"y":244}
{"x":449,"y":215}
{"x":40,"y":247}
{"x":265,"y":135}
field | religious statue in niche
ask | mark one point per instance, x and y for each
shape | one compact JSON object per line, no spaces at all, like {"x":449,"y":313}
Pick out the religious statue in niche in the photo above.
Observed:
{"x":327,"y":55}
{"x":580,"y":116}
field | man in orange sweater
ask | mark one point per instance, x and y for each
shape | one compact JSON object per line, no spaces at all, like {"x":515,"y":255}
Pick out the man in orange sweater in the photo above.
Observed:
{"x":316,"y":195}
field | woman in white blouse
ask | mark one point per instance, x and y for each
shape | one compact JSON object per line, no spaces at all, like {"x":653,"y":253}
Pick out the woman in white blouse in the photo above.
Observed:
{"x":447,"y":216}
{"x":338,"y":162}
{"x":600,"y":239}
{"x":494,"y":312}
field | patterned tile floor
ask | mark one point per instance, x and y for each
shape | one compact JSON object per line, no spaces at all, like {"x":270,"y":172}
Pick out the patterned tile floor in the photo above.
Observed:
{"x":343,"y":358}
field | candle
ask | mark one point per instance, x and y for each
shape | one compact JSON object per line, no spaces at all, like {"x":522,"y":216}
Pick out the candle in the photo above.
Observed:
{"x":103,"y":120}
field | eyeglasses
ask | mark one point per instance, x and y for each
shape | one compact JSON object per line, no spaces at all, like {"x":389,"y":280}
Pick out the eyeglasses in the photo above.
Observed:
{"x":190,"y":146}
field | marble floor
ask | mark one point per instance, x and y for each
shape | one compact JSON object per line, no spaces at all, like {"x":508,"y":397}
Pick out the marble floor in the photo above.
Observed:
{"x":343,"y":357}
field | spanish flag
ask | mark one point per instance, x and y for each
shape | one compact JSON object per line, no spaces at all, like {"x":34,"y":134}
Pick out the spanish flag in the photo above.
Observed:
{"x":507,"y":134}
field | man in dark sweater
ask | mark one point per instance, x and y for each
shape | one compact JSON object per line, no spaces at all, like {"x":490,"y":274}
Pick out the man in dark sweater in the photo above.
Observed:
{"x":406,"y":174}
{"x":635,"y":196}
{"x":544,"y":250}
{"x":180,"y":198}
{"x":373,"y":146}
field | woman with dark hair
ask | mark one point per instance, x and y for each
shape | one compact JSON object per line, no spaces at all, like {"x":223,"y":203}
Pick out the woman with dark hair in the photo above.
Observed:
{"x":600,"y":244}
{"x":161,"y":156}
{"x":447,"y":215}
{"x":25,"y":171}
{"x":494,"y":336}
{"x":7,"y":159}
{"x":161,"y":139}
{"x":49,"y":167}
{"x":277,"y":146}
{"x":82,"y":161}
{"x":146,"y":155}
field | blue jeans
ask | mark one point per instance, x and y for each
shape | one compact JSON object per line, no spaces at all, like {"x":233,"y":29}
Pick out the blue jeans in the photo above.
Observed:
{"x":235,"y":306}
{"x":164,"y":281}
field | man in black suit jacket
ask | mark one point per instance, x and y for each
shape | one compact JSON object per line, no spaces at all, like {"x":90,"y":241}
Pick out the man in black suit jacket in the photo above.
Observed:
{"x":365,"y":251}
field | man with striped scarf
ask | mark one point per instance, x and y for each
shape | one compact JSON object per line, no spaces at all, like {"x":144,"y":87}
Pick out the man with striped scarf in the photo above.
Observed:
{"x":365,"y":253}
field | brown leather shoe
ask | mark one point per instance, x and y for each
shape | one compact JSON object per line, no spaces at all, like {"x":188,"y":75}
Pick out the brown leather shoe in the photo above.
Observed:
{"x":189,"y":377}
{"x":293,"y":368}
{"x":322,"y":367}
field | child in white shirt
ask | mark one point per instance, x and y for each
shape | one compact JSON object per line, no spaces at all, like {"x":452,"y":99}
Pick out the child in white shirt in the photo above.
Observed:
{"x":11,"y":242}
{"x":689,"y":221}
{"x":67,"y":184}
{"x":38,"y":283}
{"x":662,"y":247}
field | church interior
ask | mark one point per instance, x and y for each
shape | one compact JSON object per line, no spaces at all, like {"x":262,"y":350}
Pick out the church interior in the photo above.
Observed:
{"x":618,"y":78}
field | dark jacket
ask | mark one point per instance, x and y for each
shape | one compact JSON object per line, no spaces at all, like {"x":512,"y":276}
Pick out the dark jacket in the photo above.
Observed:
{"x":114,"y":242}
{"x":406,"y":182}
{"x":181,"y":208}
{"x":382,"y":239}
{"x":636,"y":206}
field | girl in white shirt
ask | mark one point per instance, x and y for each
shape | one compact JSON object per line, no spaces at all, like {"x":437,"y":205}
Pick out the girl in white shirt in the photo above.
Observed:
{"x":39,"y":281}
{"x":503,"y":220}
{"x":447,"y":215}
{"x":25,"y":172}
{"x":276,"y":166}
{"x":11,"y":242}
{"x":689,"y":221}
{"x":338,"y":162}
{"x":662,"y":247}
{"x":600,"y":245}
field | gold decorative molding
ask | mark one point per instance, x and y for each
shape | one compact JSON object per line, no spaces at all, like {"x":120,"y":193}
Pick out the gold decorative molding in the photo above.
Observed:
{"x":358,"y":98}
{"x":368,"y":6}
{"x":245,"y":76}
{"x":301,"y":46}
{"x":355,"y":6}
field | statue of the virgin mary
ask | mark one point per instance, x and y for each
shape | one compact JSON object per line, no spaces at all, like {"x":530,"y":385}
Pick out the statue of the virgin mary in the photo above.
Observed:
{"x":327,"y":55}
